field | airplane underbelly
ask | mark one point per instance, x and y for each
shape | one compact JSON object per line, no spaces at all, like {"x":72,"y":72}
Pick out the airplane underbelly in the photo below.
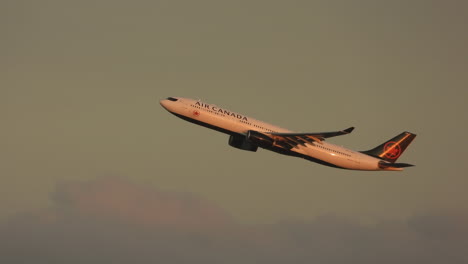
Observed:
{"x":341,"y":161}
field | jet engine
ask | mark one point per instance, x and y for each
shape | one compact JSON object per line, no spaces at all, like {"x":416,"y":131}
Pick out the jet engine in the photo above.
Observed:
{"x":241,"y":142}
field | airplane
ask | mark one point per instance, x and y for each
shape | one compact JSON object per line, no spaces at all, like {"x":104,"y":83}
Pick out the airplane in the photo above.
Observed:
{"x":248,"y":134}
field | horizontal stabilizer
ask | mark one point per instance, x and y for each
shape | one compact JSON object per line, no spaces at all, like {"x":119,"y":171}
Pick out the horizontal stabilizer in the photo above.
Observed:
{"x":385,"y":165}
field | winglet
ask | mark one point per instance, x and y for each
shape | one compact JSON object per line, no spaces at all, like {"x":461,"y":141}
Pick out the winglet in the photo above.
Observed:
{"x":349,"y":130}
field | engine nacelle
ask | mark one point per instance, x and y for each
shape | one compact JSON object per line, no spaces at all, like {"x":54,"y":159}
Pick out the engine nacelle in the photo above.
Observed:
{"x":259,"y":139}
{"x":241,"y":142}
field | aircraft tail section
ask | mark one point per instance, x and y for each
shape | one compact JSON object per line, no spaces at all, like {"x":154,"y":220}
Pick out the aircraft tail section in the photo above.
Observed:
{"x":392,"y":149}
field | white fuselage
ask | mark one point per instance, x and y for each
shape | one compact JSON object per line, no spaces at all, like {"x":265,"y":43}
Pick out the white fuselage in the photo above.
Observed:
{"x":229,"y":122}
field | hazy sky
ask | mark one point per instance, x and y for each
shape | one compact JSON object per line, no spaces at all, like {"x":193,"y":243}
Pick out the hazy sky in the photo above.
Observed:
{"x":80,"y":88}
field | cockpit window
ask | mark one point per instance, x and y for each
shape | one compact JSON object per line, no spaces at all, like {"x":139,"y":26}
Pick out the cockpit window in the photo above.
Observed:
{"x":172,"y":99}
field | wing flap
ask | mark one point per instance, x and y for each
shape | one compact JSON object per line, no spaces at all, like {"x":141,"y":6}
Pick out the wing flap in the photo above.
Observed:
{"x":292,"y":140}
{"x":314,"y":136}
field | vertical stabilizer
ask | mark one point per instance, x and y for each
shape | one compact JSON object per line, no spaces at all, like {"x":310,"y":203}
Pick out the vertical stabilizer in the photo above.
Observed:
{"x":392,"y":149}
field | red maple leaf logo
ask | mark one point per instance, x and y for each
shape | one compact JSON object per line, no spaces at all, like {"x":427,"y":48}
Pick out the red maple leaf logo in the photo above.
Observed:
{"x":196,"y":113}
{"x":392,"y":150}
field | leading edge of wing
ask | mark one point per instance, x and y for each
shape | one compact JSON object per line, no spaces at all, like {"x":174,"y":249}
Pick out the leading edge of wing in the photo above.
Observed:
{"x":318,"y":136}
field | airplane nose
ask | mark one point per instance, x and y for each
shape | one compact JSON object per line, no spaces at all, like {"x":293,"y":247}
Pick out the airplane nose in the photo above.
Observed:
{"x":163,"y":103}
{"x":168,"y":103}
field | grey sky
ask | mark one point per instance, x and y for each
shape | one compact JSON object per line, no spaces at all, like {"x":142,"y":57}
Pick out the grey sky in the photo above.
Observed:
{"x":81,"y":80}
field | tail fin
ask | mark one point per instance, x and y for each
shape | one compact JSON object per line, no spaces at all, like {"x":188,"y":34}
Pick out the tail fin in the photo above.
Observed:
{"x":393,"y":148}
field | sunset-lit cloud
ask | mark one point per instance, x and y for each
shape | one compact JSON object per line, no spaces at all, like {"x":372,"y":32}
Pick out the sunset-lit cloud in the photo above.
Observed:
{"x":116,"y":198}
{"x":111,"y":220}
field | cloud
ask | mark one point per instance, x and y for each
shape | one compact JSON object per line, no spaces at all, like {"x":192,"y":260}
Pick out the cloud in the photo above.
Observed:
{"x":111,"y":220}
{"x":116,"y":199}
{"x":442,"y":225}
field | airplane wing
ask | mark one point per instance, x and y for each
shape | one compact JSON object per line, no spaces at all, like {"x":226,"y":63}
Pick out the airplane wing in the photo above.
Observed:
{"x":291,"y":140}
